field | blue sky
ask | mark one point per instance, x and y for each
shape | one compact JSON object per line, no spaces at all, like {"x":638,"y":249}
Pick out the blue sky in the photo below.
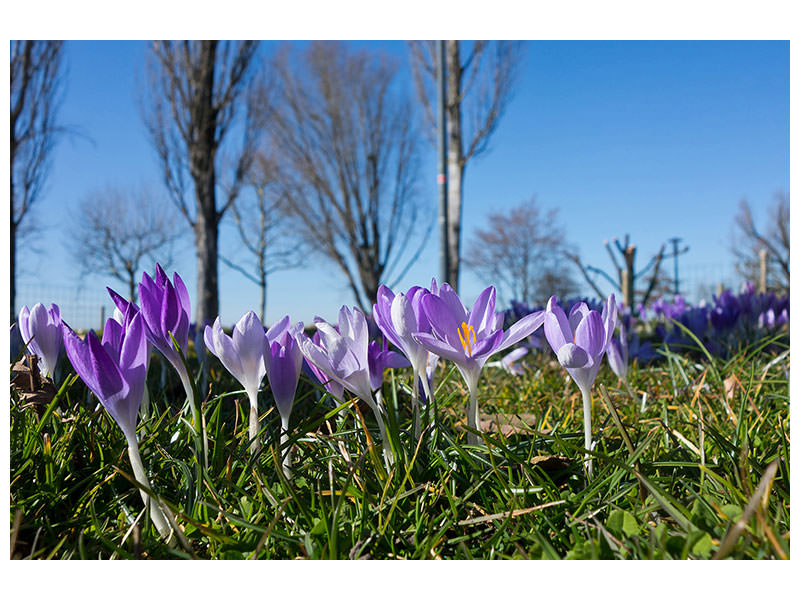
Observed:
{"x":655,"y":139}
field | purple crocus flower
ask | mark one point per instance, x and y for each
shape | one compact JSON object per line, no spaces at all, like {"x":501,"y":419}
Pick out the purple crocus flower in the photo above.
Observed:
{"x":618,"y":354}
{"x":333,"y":387}
{"x":343,"y":355}
{"x":242,"y":354}
{"x":165,"y":308}
{"x":579,"y":343}
{"x":510,"y":362}
{"x":399,"y":317}
{"x":380,"y":358}
{"x":115,"y":371}
{"x":283,"y":361}
{"x":469,"y":338}
{"x":40,"y":328}
{"x":126,"y":310}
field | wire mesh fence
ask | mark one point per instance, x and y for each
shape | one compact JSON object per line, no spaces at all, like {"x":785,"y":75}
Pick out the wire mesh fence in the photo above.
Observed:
{"x":82,"y":307}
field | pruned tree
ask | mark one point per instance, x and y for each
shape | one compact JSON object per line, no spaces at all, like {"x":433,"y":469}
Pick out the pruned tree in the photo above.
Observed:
{"x":627,"y":275}
{"x":195,"y":92}
{"x":348,"y":161}
{"x":264,"y":230}
{"x":522,"y":252}
{"x":115,"y":230}
{"x":36,"y":75}
{"x":480,"y":78}
{"x":749,"y":240}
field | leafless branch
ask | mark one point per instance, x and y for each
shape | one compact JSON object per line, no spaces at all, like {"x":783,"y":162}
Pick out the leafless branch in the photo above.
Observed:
{"x":519,"y":251}
{"x":749,"y":239}
{"x":348,"y":160}
{"x":115,"y":230}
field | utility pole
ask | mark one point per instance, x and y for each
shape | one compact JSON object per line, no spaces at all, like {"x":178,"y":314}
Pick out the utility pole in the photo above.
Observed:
{"x":762,"y":271}
{"x":441,"y":178}
{"x":675,"y":254}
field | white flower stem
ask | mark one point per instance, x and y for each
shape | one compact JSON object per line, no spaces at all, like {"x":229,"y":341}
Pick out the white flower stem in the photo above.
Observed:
{"x":255,"y":442}
{"x":587,"y":428}
{"x":430,"y":406}
{"x":472,"y":416}
{"x":415,"y":403}
{"x":197,"y":417}
{"x":388,"y":454}
{"x":286,"y":449}
{"x":141,"y":476}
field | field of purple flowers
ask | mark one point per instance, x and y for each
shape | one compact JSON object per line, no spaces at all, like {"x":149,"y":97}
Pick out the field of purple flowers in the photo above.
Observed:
{"x":428,"y":429}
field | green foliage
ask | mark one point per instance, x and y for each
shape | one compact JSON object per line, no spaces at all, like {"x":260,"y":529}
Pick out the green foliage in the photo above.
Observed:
{"x":702,"y":443}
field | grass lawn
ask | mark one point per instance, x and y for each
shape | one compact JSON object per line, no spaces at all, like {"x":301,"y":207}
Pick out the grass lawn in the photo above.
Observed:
{"x":698,"y":469}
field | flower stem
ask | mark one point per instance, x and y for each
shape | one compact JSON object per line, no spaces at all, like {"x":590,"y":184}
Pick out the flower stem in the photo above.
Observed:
{"x":287,"y":458}
{"x":587,"y":428}
{"x":255,"y":442}
{"x":430,"y":406}
{"x":472,"y":416}
{"x":197,"y":417}
{"x":415,"y":403}
{"x":141,"y":476}
{"x":388,"y":454}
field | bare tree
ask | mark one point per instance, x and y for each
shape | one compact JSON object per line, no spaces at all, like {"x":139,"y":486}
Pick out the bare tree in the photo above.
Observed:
{"x":627,"y":275}
{"x":115,"y":230}
{"x":36,"y":73}
{"x":479,"y":80}
{"x":522,"y":252}
{"x":263,"y":229}
{"x":195,"y":88}
{"x":348,"y":161}
{"x":749,"y":240}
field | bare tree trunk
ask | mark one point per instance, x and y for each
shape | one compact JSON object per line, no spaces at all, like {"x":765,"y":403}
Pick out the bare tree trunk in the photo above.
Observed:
{"x":455,"y":160}
{"x":206,"y":239}
{"x":131,"y":285}
{"x":263,"y":285}
{"x":13,"y":271}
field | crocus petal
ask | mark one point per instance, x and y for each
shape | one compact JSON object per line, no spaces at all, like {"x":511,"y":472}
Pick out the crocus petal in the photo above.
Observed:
{"x":615,"y":359}
{"x":395,"y":360}
{"x":41,"y":331}
{"x":403,"y":317}
{"x":113,"y":334}
{"x":78,"y":354}
{"x":121,"y":303}
{"x":338,"y":351}
{"x":443,"y":323}
{"x":278,"y":329}
{"x":227,"y":353}
{"x":610,"y":317}
{"x":208,"y":338}
{"x":360,"y":335}
{"x":161,"y":276}
{"x":284,"y":373}
{"x":248,"y":339}
{"x":556,"y":328}
{"x":23,"y":319}
{"x":591,"y":335}
{"x":482,"y":315}
{"x":453,"y":303}
{"x":522,"y":329}
{"x":133,"y":349}
{"x":572,"y":356}
{"x":577,"y":313}
{"x":440,"y":348}
{"x":183,"y":294}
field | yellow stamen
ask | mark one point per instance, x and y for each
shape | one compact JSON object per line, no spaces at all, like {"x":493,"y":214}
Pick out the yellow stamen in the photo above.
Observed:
{"x":463,"y":334}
